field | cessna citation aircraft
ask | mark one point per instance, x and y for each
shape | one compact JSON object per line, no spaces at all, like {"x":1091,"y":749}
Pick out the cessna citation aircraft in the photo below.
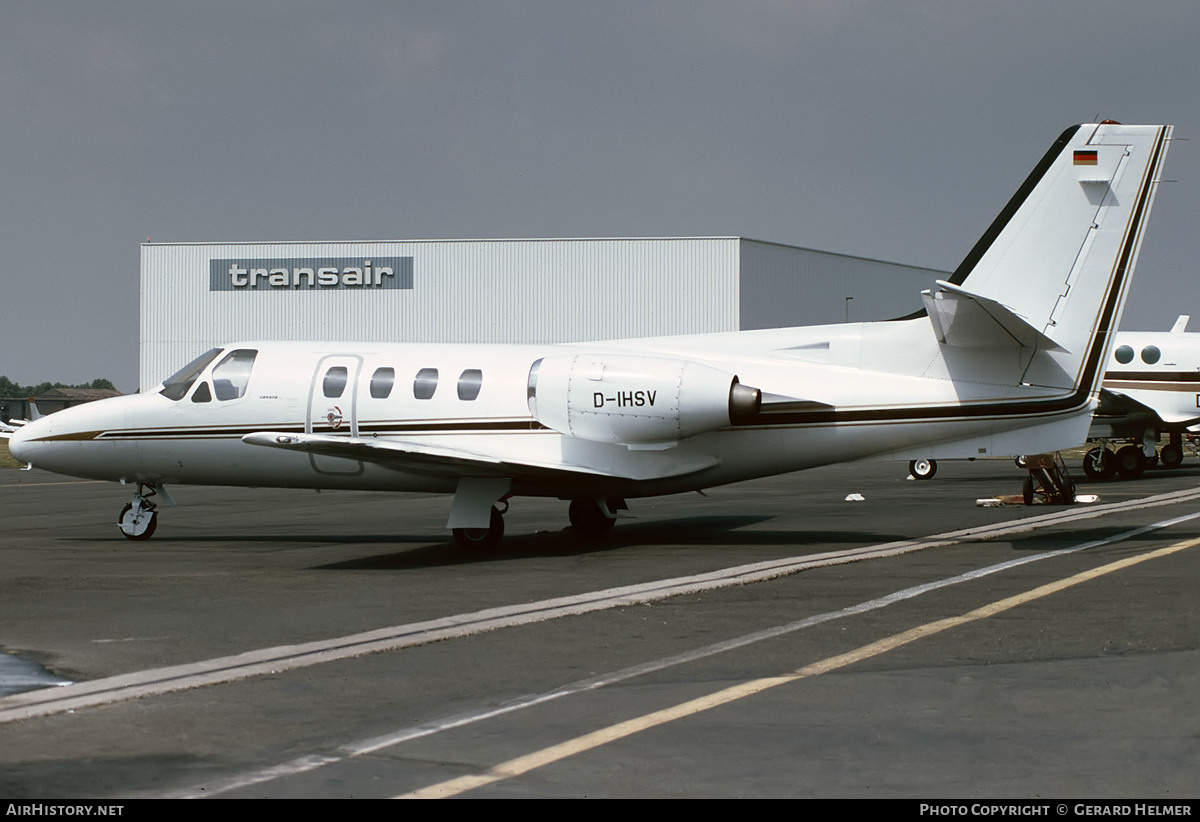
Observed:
{"x":1005,"y":359}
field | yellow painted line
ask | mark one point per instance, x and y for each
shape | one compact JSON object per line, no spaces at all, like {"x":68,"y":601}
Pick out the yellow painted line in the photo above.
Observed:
{"x":580,"y":744}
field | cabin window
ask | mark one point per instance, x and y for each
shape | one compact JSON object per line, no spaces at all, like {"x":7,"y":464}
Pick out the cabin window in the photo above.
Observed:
{"x":335,"y":381}
{"x":381,"y":382}
{"x":177,"y":385}
{"x":202,"y":394}
{"x":469,"y":384}
{"x":1151,"y":354}
{"x":1124,"y":354}
{"x":425,"y":383}
{"x":232,"y":374}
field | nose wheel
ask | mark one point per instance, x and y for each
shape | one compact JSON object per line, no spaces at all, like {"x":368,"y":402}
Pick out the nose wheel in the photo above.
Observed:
{"x":138,"y":519}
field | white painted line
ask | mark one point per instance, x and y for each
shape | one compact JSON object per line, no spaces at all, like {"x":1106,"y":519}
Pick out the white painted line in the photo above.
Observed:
{"x":289,"y":657}
{"x":521,"y":765}
{"x":350,"y":750}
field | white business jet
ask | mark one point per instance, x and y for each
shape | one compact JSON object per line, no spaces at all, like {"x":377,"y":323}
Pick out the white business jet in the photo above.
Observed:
{"x":1006,"y":359}
{"x":1152,"y":387}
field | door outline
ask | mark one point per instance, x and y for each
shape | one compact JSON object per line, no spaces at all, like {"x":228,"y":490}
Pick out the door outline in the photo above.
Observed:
{"x":319,"y":417}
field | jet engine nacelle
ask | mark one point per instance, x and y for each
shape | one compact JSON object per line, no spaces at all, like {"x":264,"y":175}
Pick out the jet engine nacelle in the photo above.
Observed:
{"x":635,"y":400}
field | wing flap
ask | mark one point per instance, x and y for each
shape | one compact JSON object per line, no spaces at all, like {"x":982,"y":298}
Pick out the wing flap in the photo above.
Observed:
{"x":585,"y":460}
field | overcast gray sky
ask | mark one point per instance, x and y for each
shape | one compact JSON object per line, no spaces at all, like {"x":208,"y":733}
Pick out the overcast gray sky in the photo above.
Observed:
{"x":895,"y":130}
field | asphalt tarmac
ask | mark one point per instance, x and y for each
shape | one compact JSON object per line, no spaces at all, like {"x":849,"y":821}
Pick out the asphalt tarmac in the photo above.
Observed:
{"x":769,"y":639}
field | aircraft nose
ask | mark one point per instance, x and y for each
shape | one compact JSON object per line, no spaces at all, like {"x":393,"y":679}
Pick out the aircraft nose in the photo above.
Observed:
{"x":29,"y":443}
{"x":19,"y":445}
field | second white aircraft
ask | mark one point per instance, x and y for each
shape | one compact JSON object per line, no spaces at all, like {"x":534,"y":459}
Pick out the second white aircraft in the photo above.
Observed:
{"x":1006,"y":359}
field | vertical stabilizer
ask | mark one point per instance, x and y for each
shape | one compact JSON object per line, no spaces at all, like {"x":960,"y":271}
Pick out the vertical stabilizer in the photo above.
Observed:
{"x":1051,"y":273}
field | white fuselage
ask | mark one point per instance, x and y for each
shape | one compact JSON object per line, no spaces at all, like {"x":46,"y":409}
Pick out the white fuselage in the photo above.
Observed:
{"x":907,"y":402}
{"x":1161,"y":370}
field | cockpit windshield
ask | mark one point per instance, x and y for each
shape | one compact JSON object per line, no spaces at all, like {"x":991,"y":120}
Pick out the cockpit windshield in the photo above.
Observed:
{"x":232,"y":374}
{"x":176,"y":385}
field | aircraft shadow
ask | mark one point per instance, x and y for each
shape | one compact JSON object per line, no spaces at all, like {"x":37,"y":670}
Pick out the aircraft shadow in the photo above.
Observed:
{"x":715,"y":531}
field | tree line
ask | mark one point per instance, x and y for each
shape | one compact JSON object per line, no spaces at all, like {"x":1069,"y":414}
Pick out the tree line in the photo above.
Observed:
{"x":8,"y":388}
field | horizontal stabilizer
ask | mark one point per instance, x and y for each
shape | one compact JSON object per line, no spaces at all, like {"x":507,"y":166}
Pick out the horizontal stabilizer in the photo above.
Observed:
{"x":968,"y":320}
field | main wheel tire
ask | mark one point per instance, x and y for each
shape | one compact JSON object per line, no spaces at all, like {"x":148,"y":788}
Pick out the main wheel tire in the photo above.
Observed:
{"x":1099,"y":464}
{"x":1027,"y":489}
{"x":922,"y":469}
{"x":1171,"y":455}
{"x":1131,"y":462}
{"x":588,"y":520}
{"x":481,"y":539}
{"x":139,"y":528}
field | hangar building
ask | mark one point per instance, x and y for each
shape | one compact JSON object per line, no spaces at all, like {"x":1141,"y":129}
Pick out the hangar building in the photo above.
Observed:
{"x":196,"y":296}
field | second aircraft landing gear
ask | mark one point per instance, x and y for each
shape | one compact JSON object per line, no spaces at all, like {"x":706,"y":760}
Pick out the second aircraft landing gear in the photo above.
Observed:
{"x":1132,"y":460}
{"x":922,"y":469}
{"x":1171,"y":454}
{"x":1099,"y":464}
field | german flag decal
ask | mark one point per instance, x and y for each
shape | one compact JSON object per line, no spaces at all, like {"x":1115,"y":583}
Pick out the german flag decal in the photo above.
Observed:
{"x":1085,"y":157}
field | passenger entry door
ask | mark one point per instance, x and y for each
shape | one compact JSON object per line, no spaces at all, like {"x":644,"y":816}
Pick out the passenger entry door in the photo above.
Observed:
{"x":333,"y":408}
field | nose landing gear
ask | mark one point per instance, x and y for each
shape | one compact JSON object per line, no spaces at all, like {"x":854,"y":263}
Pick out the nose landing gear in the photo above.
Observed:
{"x":139,"y":518}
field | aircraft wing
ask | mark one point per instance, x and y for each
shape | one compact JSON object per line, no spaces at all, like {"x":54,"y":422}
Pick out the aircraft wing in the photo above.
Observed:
{"x":416,"y":455}
{"x":1120,"y":415}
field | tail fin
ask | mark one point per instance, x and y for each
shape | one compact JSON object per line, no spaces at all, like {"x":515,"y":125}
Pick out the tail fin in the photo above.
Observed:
{"x":1051,"y":273}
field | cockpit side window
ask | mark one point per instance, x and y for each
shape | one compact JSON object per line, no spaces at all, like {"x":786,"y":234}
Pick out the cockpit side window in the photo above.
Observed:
{"x":232,"y":374}
{"x":202,"y":394}
{"x":177,"y":385}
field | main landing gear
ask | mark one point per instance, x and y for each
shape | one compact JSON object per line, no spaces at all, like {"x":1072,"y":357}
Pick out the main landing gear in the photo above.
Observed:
{"x":138,"y":519}
{"x":483,"y":539}
{"x":590,"y":518}
{"x":594,"y":517}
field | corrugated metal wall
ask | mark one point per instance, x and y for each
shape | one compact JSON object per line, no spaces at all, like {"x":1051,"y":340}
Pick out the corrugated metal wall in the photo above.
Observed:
{"x":513,"y":291}
{"x":785,"y":286}
{"x":463,"y":291}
